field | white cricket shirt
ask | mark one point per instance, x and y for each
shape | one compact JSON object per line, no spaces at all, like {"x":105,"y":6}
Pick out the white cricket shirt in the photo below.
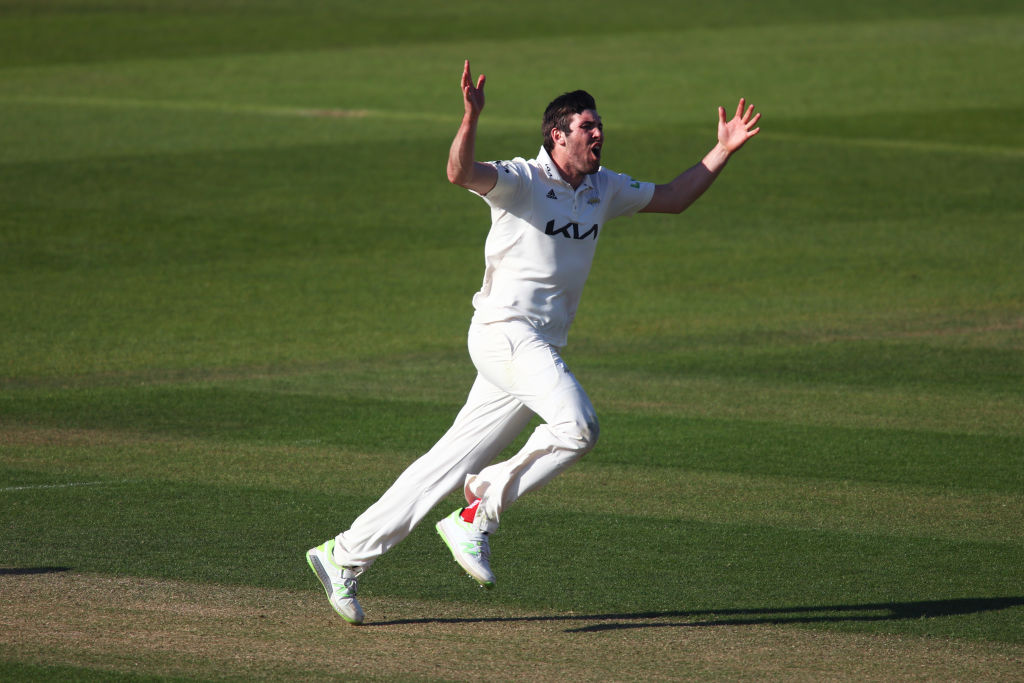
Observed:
{"x":542,"y":240}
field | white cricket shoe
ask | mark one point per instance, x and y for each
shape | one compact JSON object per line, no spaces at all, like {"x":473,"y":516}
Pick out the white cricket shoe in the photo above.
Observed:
{"x":469,"y":546}
{"x":339,"y":582}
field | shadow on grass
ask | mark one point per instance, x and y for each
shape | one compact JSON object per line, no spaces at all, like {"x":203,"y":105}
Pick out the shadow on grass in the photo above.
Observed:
{"x":27,"y":571}
{"x":882,"y":611}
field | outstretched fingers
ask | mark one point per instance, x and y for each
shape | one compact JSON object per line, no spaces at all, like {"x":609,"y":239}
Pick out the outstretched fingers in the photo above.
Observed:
{"x":739,"y":108}
{"x":751,"y":123}
{"x":745,"y":113}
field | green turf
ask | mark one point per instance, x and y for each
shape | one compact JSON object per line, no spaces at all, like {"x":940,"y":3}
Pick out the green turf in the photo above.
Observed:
{"x":15,"y":671}
{"x":236,"y":288}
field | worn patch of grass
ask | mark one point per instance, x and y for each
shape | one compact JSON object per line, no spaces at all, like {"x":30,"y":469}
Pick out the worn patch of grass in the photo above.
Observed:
{"x":189,"y":630}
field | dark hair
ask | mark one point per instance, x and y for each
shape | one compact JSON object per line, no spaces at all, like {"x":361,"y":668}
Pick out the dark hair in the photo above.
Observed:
{"x":560,"y":112}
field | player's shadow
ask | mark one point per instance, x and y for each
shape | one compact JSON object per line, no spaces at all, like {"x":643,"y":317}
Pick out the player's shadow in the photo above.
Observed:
{"x":881,"y":611}
{"x":27,"y":571}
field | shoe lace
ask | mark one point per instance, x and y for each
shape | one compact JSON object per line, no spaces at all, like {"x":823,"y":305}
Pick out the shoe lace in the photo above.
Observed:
{"x":350,"y":582}
{"x":479,"y":546}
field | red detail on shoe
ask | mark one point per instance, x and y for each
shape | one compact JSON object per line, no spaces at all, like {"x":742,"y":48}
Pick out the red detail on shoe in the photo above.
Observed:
{"x":469,"y":513}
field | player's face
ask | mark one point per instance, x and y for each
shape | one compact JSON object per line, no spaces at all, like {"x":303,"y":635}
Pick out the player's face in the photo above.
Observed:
{"x":583,"y":143}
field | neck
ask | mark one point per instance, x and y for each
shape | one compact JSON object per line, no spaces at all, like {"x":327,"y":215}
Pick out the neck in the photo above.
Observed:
{"x":574,"y":179}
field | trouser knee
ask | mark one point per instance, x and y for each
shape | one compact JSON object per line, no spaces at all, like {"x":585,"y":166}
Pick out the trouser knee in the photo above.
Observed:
{"x":582,"y":435}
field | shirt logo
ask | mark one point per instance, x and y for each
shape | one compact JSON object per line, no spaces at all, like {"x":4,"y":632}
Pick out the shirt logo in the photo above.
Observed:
{"x":551,"y":195}
{"x":571,"y":231}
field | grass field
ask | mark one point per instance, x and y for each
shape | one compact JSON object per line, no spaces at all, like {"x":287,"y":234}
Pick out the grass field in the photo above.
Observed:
{"x":236,"y":286}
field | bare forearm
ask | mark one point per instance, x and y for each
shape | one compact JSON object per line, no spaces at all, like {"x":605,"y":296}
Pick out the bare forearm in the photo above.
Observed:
{"x":463,"y":169}
{"x":696,"y":180}
{"x":463,"y":152}
{"x":688,"y":186}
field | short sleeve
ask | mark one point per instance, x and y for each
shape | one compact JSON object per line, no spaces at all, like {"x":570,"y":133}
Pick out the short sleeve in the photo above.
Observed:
{"x":513,"y":177}
{"x":627,"y":196}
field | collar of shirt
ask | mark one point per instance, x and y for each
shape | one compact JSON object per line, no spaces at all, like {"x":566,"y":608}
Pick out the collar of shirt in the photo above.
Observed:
{"x":552,"y":172}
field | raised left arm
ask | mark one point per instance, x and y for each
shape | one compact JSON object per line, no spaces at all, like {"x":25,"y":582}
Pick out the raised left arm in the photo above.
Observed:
{"x":688,"y":186}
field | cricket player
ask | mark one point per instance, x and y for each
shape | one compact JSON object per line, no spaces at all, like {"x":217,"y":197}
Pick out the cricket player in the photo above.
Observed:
{"x":547,"y":215}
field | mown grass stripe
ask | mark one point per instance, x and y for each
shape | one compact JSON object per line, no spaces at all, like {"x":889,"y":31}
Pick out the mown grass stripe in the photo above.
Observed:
{"x":74,"y":484}
{"x":232,"y":108}
{"x":934,"y":146}
{"x":790,"y":502}
{"x":426,"y":116}
{"x":899,"y":510}
{"x":229,"y":108}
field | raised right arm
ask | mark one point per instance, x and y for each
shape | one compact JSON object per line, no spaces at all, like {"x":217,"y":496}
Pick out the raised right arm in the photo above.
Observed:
{"x":463,"y":168}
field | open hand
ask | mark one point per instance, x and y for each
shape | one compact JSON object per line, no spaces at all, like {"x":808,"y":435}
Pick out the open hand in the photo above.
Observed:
{"x":734,"y":133}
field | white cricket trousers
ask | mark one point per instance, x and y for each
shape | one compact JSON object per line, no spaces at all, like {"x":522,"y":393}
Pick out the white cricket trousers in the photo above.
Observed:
{"x":519,"y":375}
